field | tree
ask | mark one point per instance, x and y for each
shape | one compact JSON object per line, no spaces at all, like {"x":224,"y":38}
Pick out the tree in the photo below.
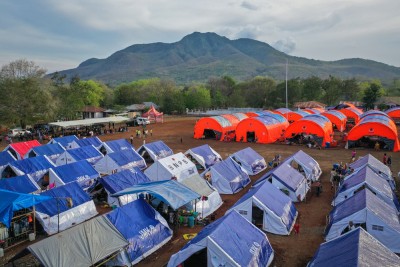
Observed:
{"x":256,"y":91}
{"x":25,"y":95}
{"x":371,"y":94}
{"x":197,"y":97}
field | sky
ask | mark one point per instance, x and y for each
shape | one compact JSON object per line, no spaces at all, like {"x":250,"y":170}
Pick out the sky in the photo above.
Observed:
{"x":59,"y":35}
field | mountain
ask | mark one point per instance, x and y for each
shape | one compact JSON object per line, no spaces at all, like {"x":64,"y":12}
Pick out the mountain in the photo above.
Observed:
{"x":199,"y":56}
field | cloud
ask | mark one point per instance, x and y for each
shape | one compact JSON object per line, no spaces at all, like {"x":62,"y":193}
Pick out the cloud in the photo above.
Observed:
{"x":248,"y":5}
{"x":286,"y":45}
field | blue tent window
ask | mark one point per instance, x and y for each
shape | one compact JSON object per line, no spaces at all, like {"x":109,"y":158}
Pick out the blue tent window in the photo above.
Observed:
{"x":377,"y":228}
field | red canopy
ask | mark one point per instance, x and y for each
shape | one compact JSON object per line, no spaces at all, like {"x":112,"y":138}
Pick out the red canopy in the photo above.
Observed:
{"x":21,"y":148}
{"x":154,"y":115}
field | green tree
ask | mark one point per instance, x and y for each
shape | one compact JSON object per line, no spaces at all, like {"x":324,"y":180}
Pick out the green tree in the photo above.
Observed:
{"x":256,"y":91}
{"x":197,"y":97}
{"x":371,"y":94}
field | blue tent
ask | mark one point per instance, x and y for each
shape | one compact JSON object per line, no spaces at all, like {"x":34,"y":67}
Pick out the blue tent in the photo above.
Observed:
{"x":13,"y":201}
{"x":144,"y":228}
{"x":36,"y":167}
{"x":52,"y":151}
{"x":204,"y":155}
{"x":81,"y":172}
{"x":355,"y":248}
{"x":306,"y":164}
{"x":155,"y":150}
{"x":171,"y":192}
{"x":122,"y":180}
{"x":119,"y":160}
{"x":115,"y":145}
{"x":252,"y":162}
{"x":82,"y":209}
{"x":229,"y":241}
{"x":21,"y":184}
{"x":279,"y":212}
{"x":90,"y":141}
{"x":65,"y":141}
{"x":88,"y":153}
{"x":5,"y":158}
{"x":227,"y":177}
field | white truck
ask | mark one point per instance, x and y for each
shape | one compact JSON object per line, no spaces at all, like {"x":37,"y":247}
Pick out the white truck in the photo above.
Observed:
{"x":142,"y":121}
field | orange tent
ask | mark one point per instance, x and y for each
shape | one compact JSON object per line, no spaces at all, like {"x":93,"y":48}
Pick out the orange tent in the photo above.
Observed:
{"x":314,"y":110}
{"x":352,"y":114}
{"x":216,"y":127}
{"x":378,"y":126}
{"x":337,"y":118}
{"x":373,"y":112}
{"x":290,"y":115}
{"x":154,"y":115}
{"x":261,"y":129}
{"x":394,"y":113}
{"x":317,"y":125}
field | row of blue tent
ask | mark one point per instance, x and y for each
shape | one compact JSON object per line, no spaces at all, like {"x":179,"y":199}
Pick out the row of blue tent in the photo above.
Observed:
{"x":363,"y":228}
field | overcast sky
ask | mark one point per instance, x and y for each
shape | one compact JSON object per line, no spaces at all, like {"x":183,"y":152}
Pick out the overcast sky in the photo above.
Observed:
{"x":59,"y":35}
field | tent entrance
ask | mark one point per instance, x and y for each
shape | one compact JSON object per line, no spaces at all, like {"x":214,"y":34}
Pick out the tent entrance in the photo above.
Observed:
{"x":372,"y":141}
{"x":209,"y":134}
{"x":257,"y":216}
{"x":8,"y":172}
{"x":198,"y":259}
{"x":251,"y":137}
{"x":146,"y":156}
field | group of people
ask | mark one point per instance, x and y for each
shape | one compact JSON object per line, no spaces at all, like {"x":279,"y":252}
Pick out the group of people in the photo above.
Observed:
{"x":387,"y":160}
{"x":338,"y":172}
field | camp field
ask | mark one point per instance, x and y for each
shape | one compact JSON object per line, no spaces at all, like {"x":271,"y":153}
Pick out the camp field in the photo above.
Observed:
{"x":293,"y":250}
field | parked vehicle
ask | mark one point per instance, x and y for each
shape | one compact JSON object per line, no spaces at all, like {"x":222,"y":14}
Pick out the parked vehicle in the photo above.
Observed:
{"x":138,"y":121}
{"x":18,"y":131}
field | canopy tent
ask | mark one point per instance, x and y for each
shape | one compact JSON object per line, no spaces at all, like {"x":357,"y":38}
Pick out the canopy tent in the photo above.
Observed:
{"x":89,"y":141}
{"x":375,"y":126}
{"x":366,"y":177}
{"x":204,"y":156}
{"x":288,"y":179}
{"x":154,"y":151}
{"x":393,"y":113}
{"x":364,"y":208}
{"x":89,"y":122}
{"x":376,"y":165}
{"x":305,"y":164}
{"x":252,"y":162}
{"x":5,"y":158}
{"x":210,"y":201}
{"x":153,"y":115}
{"x":279,"y":212}
{"x":337,"y":118}
{"x":118,"y":161}
{"x":290,"y":115}
{"x":355,"y":248}
{"x":36,"y":167}
{"x":80,"y":171}
{"x":19,"y":150}
{"x":276,"y":116}
{"x":262,"y":129}
{"x":352,"y":114}
{"x":14,"y":201}
{"x":317,"y":125}
{"x":227,"y":177}
{"x":373,"y":112}
{"x":114,"y":146}
{"x":229,"y":241}
{"x":144,"y":228}
{"x":65,"y":141}
{"x":122,"y":180}
{"x":215,"y":127}
{"x":170,"y":192}
{"x":88,"y":153}
{"x":21,"y":184}
{"x":52,"y":151}
{"x":57,"y":214}
{"x":176,"y":166}
{"x":83,"y":245}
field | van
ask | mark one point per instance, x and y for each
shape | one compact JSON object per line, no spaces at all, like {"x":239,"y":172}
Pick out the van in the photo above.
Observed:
{"x":17,"y":131}
{"x":142,"y":121}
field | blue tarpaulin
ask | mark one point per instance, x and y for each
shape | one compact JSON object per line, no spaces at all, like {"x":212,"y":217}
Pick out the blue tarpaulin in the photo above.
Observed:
{"x":52,"y":151}
{"x":21,"y":184}
{"x":157,"y":150}
{"x":94,"y":141}
{"x":37,"y":167}
{"x":121,"y":180}
{"x":116,"y":145}
{"x":5,"y":158}
{"x":250,"y":160}
{"x":65,"y":141}
{"x":206,"y":156}
{"x":142,"y":226}
{"x":171,"y":192}
{"x":230,"y":241}
{"x":13,"y":201}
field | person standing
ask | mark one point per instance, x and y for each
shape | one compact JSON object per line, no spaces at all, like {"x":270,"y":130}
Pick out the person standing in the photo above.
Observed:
{"x":389,"y":161}
{"x":353,"y":155}
{"x":384,"y":160}
{"x":131,"y":138}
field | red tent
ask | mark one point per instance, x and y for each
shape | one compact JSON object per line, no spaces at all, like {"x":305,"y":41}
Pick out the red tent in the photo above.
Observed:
{"x":18,"y":150}
{"x":154,"y":115}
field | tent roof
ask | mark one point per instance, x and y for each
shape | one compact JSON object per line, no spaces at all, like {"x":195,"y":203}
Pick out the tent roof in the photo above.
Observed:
{"x":48,"y":149}
{"x":276,"y":116}
{"x":95,"y":141}
{"x":80,"y":245}
{"x":355,"y":248}
{"x":224,"y":122}
{"x":376,"y":164}
{"x":64,"y":140}
{"x":198,"y":185}
{"x":119,"y":144}
{"x":88,"y":122}
{"x":124,"y":179}
{"x":240,"y":116}
{"x":74,"y":171}
{"x":6,"y":157}
{"x":152,"y":111}
{"x":373,"y":112}
{"x":286,"y":174}
{"x":125,"y":157}
{"x":32,"y":165}
{"x":247,"y":155}
{"x":23,"y":147}
{"x":209,"y":156}
{"x":139,"y":223}
{"x":229,"y":170}
{"x":72,"y":190}
{"x":266,"y":120}
{"x":84,"y":153}
{"x":283,"y":110}
{"x":335,"y":113}
{"x":365,"y":199}
{"x":158,"y":148}
{"x":234,"y":235}
{"x":21,"y":184}
{"x":303,"y":159}
{"x":169,"y":191}
{"x":13,"y":201}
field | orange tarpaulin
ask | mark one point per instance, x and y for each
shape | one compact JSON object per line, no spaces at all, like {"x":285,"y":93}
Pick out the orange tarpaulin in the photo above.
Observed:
{"x":337,"y":118}
{"x":352,"y":114}
{"x":216,"y":127}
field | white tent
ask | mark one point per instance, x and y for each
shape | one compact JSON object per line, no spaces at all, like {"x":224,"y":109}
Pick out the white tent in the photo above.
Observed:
{"x":305,"y":163}
{"x":204,"y":155}
{"x":177,"y":166}
{"x":210,"y":201}
{"x":252,"y":162}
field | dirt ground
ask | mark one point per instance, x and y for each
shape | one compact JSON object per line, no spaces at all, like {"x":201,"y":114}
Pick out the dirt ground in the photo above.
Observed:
{"x":293,"y":250}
